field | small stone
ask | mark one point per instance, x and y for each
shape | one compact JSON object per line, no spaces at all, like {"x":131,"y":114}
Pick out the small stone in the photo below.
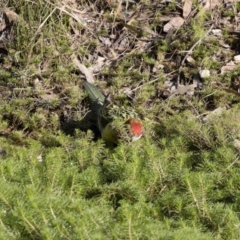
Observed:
{"x":204,"y":73}
{"x":217,"y":32}
{"x":236,"y":59}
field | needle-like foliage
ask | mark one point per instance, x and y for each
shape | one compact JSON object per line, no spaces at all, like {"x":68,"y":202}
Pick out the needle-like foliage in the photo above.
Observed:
{"x":59,"y":180}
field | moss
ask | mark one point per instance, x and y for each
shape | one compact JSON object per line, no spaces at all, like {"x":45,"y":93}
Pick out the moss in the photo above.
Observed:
{"x":60,"y":181}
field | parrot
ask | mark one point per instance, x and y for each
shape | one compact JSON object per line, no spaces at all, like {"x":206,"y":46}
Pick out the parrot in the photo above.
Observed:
{"x":115,"y":123}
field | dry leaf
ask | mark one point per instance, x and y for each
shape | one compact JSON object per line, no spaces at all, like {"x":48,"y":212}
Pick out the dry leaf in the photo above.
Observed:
{"x":12,"y":16}
{"x":228,"y":67}
{"x":210,"y":4}
{"x":97,"y":67}
{"x":214,"y":113}
{"x":112,"y":54}
{"x":105,"y":41}
{"x":237,"y":144}
{"x":180,"y":89}
{"x":88,"y":73}
{"x":6,"y":18}
{"x":183,"y":89}
{"x":228,"y":90}
{"x":223,"y":44}
{"x":177,"y":21}
{"x":187,"y":7}
{"x":174,"y":23}
{"x":191,"y":60}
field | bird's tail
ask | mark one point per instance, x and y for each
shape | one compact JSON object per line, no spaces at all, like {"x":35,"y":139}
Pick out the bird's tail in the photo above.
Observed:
{"x":94,"y":92}
{"x":95,"y":95}
{"x":97,"y":101}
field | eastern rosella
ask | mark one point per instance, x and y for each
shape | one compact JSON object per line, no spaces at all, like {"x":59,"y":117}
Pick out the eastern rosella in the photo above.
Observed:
{"x":115,"y":123}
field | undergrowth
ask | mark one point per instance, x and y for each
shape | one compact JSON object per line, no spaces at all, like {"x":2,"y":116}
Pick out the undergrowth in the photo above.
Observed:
{"x":58,"y":179}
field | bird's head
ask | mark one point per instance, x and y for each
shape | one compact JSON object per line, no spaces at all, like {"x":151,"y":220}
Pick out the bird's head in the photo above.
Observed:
{"x":127,"y":131}
{"x":135,"y":128}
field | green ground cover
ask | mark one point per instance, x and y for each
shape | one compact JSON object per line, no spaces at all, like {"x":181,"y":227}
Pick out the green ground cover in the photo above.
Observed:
{"x":60,"y":181}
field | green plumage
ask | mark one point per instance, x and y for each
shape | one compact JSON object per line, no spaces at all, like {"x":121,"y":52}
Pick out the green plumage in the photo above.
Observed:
{"x":111,"y":118}
{"x":98,"y":101}
{"x":95,"y":95}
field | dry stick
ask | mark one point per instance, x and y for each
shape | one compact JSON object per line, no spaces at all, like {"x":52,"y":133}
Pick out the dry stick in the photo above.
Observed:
{"x":194,"y":197}
{"x":66,"y":8}
{"x":74,"y":16}
{"x":42,"y":24}
{"x":88,"y":74}
{"x":191,"y":49}
{"x":233,"y":162}
{"x":38,"y":30}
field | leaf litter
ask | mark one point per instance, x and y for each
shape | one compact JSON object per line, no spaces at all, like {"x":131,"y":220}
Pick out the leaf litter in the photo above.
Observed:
{"x":119,"y":29}
{"x":165,"y":56}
